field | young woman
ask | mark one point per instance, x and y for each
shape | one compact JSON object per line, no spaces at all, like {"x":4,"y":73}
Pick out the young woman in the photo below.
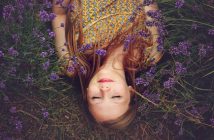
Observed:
{"x":104,"y":43}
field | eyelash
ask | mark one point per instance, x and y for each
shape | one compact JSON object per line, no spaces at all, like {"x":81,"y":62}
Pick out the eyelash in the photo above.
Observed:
{"x":100,"y":97}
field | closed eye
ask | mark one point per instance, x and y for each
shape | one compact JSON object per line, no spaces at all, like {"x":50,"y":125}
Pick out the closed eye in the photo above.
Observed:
{"x":94,"y":97}
{"x":116,"y":96}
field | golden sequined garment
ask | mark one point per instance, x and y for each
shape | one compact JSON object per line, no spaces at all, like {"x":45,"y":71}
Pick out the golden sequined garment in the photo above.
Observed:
{"x":104,"y":19}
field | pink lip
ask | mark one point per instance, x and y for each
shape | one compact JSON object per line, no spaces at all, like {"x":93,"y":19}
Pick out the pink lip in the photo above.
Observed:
{"x":105,"y":80}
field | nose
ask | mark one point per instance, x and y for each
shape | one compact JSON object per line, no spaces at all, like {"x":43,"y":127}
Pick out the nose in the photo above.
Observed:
{"x":104,"y":87}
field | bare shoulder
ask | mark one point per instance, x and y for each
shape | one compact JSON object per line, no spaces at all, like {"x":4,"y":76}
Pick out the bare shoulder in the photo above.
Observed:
{"x":59,"y":7}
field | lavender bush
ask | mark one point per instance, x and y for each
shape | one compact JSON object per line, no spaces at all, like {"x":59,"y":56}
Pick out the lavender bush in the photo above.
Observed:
{"x":176,"y":96}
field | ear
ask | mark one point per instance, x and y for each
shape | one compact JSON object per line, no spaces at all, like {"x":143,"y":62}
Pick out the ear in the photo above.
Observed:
{"x":131,"y":90}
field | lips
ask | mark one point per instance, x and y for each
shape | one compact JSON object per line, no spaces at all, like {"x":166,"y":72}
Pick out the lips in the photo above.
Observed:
{"x":105,"y":80}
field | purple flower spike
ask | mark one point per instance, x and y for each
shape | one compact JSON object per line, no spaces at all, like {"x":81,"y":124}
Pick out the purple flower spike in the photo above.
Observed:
{"x":148,"y":2}
{"x":46,"y":65}
{"x":8,"y":11}
{"x":179,"y":69}
{"x":194,"y":26}
{"x":83,"y":70}
{"x":211,"y":32}
{"x":18,"y":125}
{"x":54,"y":76}
{"x":60,"y":2}
{"x":101,"y":52}
{"x":179,"y":3}
{"x":141,"y":81}
{"x":156,"y":14}
{"x":71,"y":69}
{"x":212,"y":121}
{"x":202,"y":51}
{"x":144,"y":34}
{"x":51,"y":34}
{"x":13,"y":52}
{"x":149,"y":23}
{"x":45,"y":113}
{"x":169,"y":83}
{"x":44,"y":16}
{"x":43,"y":54}
{"x":127,"y":42}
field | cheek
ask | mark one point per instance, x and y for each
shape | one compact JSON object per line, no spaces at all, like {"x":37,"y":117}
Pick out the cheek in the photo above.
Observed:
{"x":91,"y":89}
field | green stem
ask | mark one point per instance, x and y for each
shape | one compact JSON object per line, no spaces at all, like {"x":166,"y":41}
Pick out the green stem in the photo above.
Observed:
{"x":190,"y":20}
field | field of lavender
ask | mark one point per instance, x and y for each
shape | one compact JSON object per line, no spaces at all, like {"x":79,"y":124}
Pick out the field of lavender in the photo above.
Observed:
{"x":176,"y":96}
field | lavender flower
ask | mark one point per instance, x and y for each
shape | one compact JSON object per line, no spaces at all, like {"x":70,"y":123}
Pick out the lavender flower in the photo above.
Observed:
{"x":179,"y":3}
{"x":74,"y":60}
{"x":51,"y":34}
{"x":59,"y":2}
{"x":29,"y":80}
{"x":127,"y":42}
{"x":1,"y":54}
{"x":156,"y":14}
{"x":8,"y":11}
{"x":52,"y":16}
{"x":141,"y":81}
{"x":16,"y":37}
{"x":48,"y":4}
{"x":70,"y":7}
{"x":174,"y":50}
{"x":43,"y":54}
{"x":211,"y":32}
{"x":83,"y":70}
{"x":18,"y":125}
{"x":45,"y":113}
{"x":44,"y":16}
{"x":178,"y":121}
{"x":46,"y":65}
{"x":54,"y":76}
{"x":179,"y":69}
{"x":144,"y":34}
{"x":212,"y":121}
{"x":202,"y":51}
{"x":149,"y":23}
{"x":51,"y":51}
{"x":84,"y":47}
{"x":100,"y":52}
{"x":194,"y":26}
{"x":13,"y":52}
{"x":169,"y":83}
{"x":194,"y":111}
{"x":71,"y":69}
{"x":151,"y":96}
{"x":183,"y":48}
{"x":148,"y":2}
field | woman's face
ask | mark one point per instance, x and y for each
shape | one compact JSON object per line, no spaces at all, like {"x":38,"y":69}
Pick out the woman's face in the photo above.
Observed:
{"x":108,"y":95}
